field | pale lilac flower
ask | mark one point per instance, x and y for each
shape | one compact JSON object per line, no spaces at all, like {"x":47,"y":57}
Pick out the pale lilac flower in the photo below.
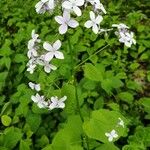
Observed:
{"x":32,"y":45}
{"x":44,"y":5}
{"x":94,"y":22}
{"x":53,"y":50}
{"x":127,"y":39}
{"x":124,"y":35}
{"x":97,"y":5}
{"x":31,"y":65}
{"x":34,"y":86}
{"x":31,"y":68}
{"x":39,"y":100}
{"x":47,"y":66}
{"x":73,"y":5}
{"x":66,"y":21}
{"x":120,"y":122}
{"x":54,"y":102}
{"x":120,"y":26}
{"x":113,"y":134}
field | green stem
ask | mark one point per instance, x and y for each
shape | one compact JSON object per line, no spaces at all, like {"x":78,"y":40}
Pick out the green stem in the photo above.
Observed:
{"x":79,"y":111}
{"x":91,"y":56}
{"x":76,"y":90}
{"x":71,"y":50}
{"x":77,"y":99}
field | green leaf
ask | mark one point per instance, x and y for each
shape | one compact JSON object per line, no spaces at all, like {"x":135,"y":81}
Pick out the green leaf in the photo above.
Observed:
{"x":5,"y":108}
{"x":69,"y":91}
{"x":34,"y":120}
{"x":104,"y":121}
{"x":69,"y":138}
{"x":92,"y":72}
{"x":11,"y":137}
{"x":24,"y":145}
{"x":126,"y":97}
{"x":108,"y":146}
{"x":5,"y":50}
{"x":6,"y":120}
{"x":145,"y":102}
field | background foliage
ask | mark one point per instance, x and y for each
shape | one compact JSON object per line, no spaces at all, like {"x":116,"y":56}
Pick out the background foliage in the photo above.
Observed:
{"x":116,"y":80}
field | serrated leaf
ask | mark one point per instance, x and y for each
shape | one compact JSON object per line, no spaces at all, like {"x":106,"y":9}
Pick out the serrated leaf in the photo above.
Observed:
{"x":92,"y":72}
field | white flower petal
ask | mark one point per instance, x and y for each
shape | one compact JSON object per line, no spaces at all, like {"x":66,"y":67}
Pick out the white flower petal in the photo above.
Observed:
{"x":59,"y":19}
{"x":88,"y":24}
{"x":66,"y":5}
{"x":49,"y":56}
{"x":92,"y":15}
{"x":77,"y":11}
{"x":95,"y":28}
{"x":63,"y":29}
{"x":37,"y":87}
{"x":98,"y":19}
{"x":110,"y":139}
{"x":33,"y":98}
{"x":51,"y":4}
{"x":53,"y":67}
{"x":66,"y":15}
{"x":73,"y":23}
{"x":79,"y":2}
{"x":61,"y":105}
{"x":47,"y":46}
{"x":57,"y":45}
{"x":59,"y":55}
{"x":47,"y":69}
{"x":63,"y":99}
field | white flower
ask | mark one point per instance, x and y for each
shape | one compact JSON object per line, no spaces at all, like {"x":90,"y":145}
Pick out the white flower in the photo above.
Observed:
{"x":44,"y":5}
{"x":73,"y":5}
{"x":31,"y":68}
{"x":120,"y":26}
{"x":32,"y":45}
{"x":121,"y":123}
{"x":40,"y":100}
{"x":113,"y":134}
{"x":34,"y":86}
{"x":97,"y":5}
{"x":53,"y":50}
{"x":54,"y":102}
{"x":94,"y":22}
{"x":124,"y":35}
{"x":127,"y":38}
{"x":47,"y":66}
{"x":66,"y":21}
{"x":31,"y":65}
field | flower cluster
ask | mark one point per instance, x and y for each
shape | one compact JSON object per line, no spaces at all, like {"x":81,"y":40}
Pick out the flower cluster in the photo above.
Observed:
{"x":125,"y":36}
{"x":73,"y":6}
{"x":113,"y":133}
{"x":50,"y":104}
{"x":45,"y":58}
{"x":44,"y":5}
